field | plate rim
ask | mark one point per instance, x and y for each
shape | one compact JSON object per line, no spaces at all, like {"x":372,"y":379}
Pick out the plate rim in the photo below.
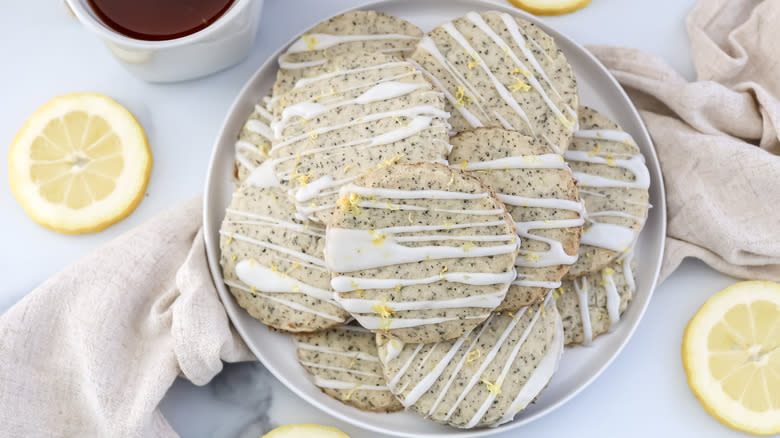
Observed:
{"x":213,"y":258}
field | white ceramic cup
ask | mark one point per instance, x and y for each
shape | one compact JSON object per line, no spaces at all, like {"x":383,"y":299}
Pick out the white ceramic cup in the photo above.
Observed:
{"x":220,"y":45}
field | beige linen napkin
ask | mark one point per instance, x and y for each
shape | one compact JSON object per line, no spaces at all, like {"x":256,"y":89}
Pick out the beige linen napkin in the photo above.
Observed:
{"x":717,"y":138}
{"x":91,"y":352}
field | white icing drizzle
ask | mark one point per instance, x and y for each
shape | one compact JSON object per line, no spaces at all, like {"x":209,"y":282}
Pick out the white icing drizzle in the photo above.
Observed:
{"x":375,"y":322}
{"x":344,"y":283}
{"x":514,"y":31}
{"x":606,"y":134}
{"x":340,"y":369}
{"x":613,"y":298}
{"x":259,"y":127}
{"x":325,"y":40}
{"x":427,"y":44}
{"x":320,"y":349}
{"x":339,"y":384}
{"x":484,"y":365}
{"x":394,"y":381}
{"x":354,"y":250}
{"x":626,"y":259}
{"x":563,"y":204}
{"x":582,"y":295}
{"x":457,"y":369}
{"x":393,"y":349}
{"x":468,"y":115}
{"x":425,"y":383}
{"x":609,"y":236}
{"x":263,"y":176}
{"x":410,"y":194}
{"x":500,"y":88}
{"x":534,"y":283}
{"x":297,"y":254}
{"x":540,"y":377}
{"x":635,"y":164}
{"x":543,"y":161}
{"x":291,"y":304}
{"x":378,"y":92}
{"x":505,"y":370}
{"x":312,"y":230}
{"x":342,"y":72}
{"x":488,"y":301}
{"x":268,"y":280}
{"x":296,"y":65}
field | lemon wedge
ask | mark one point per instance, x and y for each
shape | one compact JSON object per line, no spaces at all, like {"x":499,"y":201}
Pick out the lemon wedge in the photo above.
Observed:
{"x":80,"y":164}
{"x":550,"y":7}
{"x":731,"y":354}
{"x":305,"y":430}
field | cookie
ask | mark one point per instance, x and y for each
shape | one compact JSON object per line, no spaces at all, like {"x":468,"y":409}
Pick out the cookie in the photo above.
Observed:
{"x":254,"y":142}
{"x":349,"y":33}
{"x":539,"y":192}
{"x":591,"y":305}
{"x":613,"y":182}
{"x":344,"y":364}
{"x":420,"y":252}
{"x":273,"y":264}
{"x":483,"y":378}
{"x":356,"y":114}
{"x":498,"y":70}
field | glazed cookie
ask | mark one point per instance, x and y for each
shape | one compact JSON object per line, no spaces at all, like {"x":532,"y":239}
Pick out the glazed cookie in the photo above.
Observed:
{"x":483,"y":378}
{"x":349,"y":33}
{"x":254,"y":142}
{"x":498,"y":70}
{"x":354,"y":115}
{"x":344,"y":364}
{"x":613,"y":182}
{"x":538,"y":189}
{"x":604,"y":294}
{"x":273,"y":264}
{"x":420,"y":252}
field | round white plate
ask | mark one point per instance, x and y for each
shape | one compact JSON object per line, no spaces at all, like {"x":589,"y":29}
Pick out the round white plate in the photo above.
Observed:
{"x":579,"y":366}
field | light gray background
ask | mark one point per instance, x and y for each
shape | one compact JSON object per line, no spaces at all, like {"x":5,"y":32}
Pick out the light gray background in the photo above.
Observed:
{"x":44,"y":53}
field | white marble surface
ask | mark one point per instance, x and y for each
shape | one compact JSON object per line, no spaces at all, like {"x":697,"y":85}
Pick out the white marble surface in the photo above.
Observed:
{"x":45,"y":53}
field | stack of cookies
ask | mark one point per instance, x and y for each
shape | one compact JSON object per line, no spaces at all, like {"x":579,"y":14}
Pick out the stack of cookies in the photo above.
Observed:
{"x":432,"y":217}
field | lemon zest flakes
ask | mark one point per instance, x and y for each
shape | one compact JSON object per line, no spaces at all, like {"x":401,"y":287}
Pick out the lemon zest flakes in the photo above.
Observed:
{"x":234,"y":257}
{"x":349,"y":202}
{"x":313,"y":135}
{"x":447,"y":225}
{"x":531,"y":257}
{"x":398,"y":287}
{"x":311,"y":42}
{"x":296,"y":288}
{"x":467,"y":246}
{"x":392,"y":207}
{"x":252,"y":262}
{"x":303,"y":180}
{"x":522,"y":71}
{"x":519,"y":85}
{"x":410,"y":218}
{"x":351,"y":391}
{"x":506,"y":52}
{"x":379,"y":240}
{"x":349,"y":167}
{"x":253,"y":288}
{"x":461,"y":98}
{"x":609,"y":271}
{"x":611,"y":161}
{"x":473,"y":355}
{"x":441,"y":274}
{"x":476,"y":61}
{"x":353,"y":284}
{"x":493,"y":388}
{"x":360,"y":292}
{"x":292,"y":268}
{"x":385,"y":312}
{"x":451,"y":181}
{"x":557,"y":293}
{"x":230,"y":238}
{"x":390,"y":161}
{"x":274,"y":267}
{"x":566,"y":122}
{"x":464,"y":164}
{"x":595,"y":151}
{"x":541,"y":306}
{"x":353,"y":361}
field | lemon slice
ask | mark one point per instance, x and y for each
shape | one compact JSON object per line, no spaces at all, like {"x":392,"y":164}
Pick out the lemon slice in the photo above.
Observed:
{"x":305,"y":430}
{"x":731,"y":354}
{"x":550,"y":7}
{"x":80,"y":164}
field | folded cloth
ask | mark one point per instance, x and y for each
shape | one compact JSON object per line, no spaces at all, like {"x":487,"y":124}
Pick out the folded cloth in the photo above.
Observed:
{"x":716,"y":138}
{"x":92,"y":351}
